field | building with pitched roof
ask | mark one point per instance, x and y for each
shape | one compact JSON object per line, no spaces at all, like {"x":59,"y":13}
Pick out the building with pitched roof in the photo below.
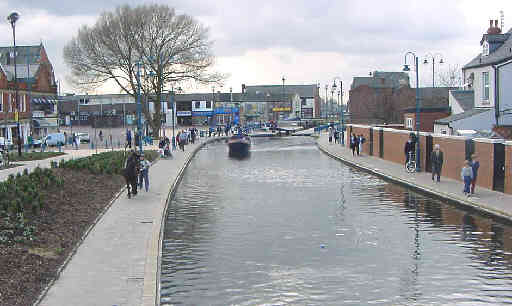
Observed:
{"x":486,"y":100}
{"x":490,"y":73}
{"x":37,"y":93}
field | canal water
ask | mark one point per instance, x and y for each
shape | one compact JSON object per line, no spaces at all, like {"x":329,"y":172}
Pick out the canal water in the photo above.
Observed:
{"x":291,"y":226}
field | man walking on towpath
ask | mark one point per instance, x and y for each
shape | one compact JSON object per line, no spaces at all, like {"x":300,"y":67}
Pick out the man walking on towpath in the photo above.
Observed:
{"x":436,"y":157}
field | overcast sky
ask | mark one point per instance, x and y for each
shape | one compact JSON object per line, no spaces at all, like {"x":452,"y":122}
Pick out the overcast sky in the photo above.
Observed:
{"x":307,"y":42}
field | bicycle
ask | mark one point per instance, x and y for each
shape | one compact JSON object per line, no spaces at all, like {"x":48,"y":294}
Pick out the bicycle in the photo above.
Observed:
{"x":410,"y":166}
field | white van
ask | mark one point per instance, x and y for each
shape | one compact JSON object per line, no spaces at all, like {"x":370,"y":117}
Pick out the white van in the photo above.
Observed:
{"x":55,"y":139}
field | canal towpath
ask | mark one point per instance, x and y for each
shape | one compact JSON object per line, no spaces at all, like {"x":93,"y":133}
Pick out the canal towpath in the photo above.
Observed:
{"x":485,"y":200}
{"x":117,"y":261}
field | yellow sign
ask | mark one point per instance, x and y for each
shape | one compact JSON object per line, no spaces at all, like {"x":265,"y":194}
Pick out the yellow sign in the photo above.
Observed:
{"x":16,"y":115}
{"x":281,"y":109}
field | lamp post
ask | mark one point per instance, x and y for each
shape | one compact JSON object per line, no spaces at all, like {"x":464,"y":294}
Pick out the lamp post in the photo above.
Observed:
{"x":417,"y":121}
{"x":139,"y":107}
{"x":173,"y":103}
{"x":433,"y":59}
{"x":326,"y":103}
{"x":13,"y":17}
{"x":283,"y":79}
{"x":334,"y":86}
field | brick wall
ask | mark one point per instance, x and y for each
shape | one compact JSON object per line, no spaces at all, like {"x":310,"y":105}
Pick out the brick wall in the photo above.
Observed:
{"x":453,"y":147}
{"x":453,"y":153}
{"x":394,"y":143}
{"x":485,"y":152}
{"x":508,"y":167}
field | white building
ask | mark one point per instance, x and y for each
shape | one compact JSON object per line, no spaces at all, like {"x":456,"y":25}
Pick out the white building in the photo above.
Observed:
{"x":488,"y":76}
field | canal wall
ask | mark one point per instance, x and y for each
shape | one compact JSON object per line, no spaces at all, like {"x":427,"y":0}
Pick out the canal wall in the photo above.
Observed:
{"x":152,"y":270}
{"x":494,"y":155}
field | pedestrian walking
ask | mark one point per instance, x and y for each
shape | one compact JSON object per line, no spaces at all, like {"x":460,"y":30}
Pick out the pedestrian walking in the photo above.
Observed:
{"x":436,"y":157}
{"x":361,"y":141}
{"x":144,"y":173}
{"x":467,"y":176}
{"x":75,"y":141}
{"x":129,"y":138}
{"x":183,"y":140}
{"x":101,"y":136}
{"x":475,"y":165}
{"x":409,"y":148}
{"x":354,"y":144}
{"x":336,"y":136}
{"x":331,"y":133}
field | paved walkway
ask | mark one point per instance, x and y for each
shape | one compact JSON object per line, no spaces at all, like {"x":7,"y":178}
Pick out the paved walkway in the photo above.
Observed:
{"x":493,"y":202}
{"x":117,"y":263}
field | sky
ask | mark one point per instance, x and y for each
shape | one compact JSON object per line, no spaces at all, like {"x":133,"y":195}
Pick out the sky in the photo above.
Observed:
{"x":306,"y":42}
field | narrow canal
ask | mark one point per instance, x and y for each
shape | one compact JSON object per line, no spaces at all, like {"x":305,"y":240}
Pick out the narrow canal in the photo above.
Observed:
{"x":289,"y":225}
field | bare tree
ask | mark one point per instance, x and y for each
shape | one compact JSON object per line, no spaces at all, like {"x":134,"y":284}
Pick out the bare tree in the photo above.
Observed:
{"x":166,"y":48}
{"x":451,"y":77}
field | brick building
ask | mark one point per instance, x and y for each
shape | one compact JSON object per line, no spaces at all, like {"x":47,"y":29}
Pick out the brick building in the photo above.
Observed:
{"x":37,"y":93}
{"x":380,"y":98}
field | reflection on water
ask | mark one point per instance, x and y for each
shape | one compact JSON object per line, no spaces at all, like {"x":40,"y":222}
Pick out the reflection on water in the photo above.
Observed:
{"x":289,"y":225}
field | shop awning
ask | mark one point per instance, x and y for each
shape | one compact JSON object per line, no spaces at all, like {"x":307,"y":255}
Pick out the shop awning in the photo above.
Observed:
{"x":45,"y":100}
{"x":45,"y":123}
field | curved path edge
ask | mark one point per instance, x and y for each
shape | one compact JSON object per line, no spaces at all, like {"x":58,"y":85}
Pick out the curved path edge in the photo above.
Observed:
{"x":152,"y":268}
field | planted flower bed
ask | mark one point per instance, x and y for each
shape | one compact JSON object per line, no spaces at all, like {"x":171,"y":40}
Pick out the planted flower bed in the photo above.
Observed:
{"x":44,"y":214}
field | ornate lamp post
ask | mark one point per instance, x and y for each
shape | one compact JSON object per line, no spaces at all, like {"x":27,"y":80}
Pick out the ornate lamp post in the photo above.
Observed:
{"x":433,"y":59}
{"x":326,"y":103}
{"x":13,"y":17}
{"x":334,"y":86}
{"x":417,"y":120}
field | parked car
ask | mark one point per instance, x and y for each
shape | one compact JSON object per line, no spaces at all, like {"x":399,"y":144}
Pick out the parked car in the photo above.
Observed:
{"x":54,"y":139}
{"x":84,"y":137}
{"x":5,"y":143}
{"x":36,"y":143}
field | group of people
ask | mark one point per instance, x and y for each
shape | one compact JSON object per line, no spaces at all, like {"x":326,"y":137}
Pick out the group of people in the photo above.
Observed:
{"x":218,"y":131}
{"x":469,"y":171}
{"x":356,"y":143}
{"x":136,"y":172}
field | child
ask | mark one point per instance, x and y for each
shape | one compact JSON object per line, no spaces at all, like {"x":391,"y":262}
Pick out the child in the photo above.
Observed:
{"x":144,"y":172}
{"x":467,"y":175}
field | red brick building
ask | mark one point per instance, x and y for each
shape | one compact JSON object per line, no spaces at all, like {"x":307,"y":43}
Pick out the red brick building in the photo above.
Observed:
{"x":37,"y":93}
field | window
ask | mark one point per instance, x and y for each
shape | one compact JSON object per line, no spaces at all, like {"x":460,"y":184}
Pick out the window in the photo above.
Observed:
{"x":208,"y":104}
{"x":485,"y":86}
{"x":485,"y":49}
{"x":198,"y":104}
{"x":9,"y":101}
{"x":408,"y":123}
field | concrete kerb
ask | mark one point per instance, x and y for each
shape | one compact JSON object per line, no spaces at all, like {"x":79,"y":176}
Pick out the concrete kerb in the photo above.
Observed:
{"x":482,"y":208}
{"x":152,"y":267}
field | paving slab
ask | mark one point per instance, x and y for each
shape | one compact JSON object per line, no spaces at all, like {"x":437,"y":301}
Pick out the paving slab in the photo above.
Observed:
{"x":117,"y":262}
{"x":485,"y":200}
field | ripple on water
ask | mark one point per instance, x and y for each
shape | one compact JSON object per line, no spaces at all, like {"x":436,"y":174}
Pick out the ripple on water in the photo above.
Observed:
{"x":250,"y":232}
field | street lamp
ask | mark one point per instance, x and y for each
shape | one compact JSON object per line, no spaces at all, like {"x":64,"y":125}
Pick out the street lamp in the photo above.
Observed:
{"x":13,"y":17}
{"x":433,"y":59}
{"x":334,"y":86}
{"x":283,"y":79}
{"x":326,"y":103}
{"x":139,"y":107}
{"x":417,"y":121}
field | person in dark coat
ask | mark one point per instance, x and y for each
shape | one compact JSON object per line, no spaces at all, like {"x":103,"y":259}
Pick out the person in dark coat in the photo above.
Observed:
{"x":409,"y":148}
{"x":436,"y":157}
{"x":129,"y":138}
{"x":475,"y":165}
